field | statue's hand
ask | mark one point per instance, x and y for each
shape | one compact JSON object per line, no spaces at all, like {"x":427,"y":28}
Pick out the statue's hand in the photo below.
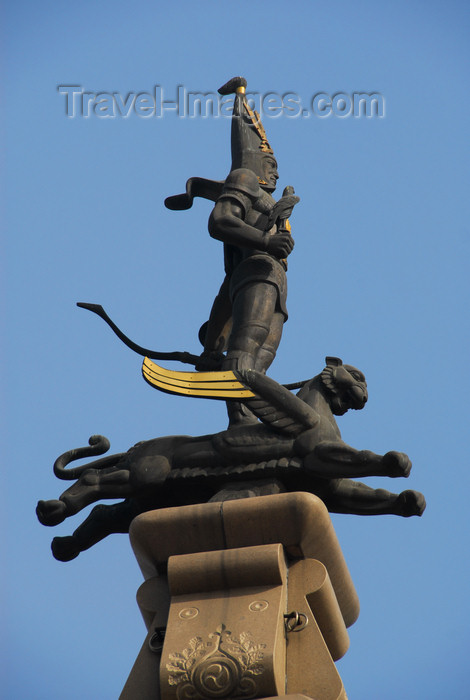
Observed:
{"x":280,"y":245}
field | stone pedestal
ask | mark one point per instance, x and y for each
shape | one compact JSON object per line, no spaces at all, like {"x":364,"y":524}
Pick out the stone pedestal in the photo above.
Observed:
{"x":242,"y":599}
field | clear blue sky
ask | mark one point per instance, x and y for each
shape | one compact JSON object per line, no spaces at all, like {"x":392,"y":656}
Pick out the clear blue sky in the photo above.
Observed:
{"x":379,"y":277}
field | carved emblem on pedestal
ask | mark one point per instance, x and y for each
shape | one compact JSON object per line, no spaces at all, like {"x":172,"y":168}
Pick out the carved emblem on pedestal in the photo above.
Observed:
{"x":224,"y":667}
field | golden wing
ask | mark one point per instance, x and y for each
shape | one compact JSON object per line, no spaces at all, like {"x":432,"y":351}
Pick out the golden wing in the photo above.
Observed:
{"x":209,"y":385}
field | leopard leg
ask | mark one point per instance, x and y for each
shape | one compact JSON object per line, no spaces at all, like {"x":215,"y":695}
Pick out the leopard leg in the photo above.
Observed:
{"x":103,"y":520}
{"x":93,"y":485}
{"x":339,"y":460}
{"x":347,"y":496}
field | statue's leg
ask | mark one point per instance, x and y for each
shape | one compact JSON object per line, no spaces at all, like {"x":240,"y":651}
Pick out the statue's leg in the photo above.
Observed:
{"x":218,"y":327}
{"x":253,"y":309}
{"x":347,"y":496}
{"x":102,"y":521}
{"x":267,"y":351}
{"x":339,"y":460}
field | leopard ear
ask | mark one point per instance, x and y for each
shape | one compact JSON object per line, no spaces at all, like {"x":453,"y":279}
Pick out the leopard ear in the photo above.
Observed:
{"x":333,"y":362}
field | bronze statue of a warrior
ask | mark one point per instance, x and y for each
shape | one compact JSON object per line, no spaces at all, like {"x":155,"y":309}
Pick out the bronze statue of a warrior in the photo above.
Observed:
{"x":249,"y":311}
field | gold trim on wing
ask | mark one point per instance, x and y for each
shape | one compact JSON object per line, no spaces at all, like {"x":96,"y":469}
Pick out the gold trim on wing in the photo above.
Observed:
{"x":210,"y":385}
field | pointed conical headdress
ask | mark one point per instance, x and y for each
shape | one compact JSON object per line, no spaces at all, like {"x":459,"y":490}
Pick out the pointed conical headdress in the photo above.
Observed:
{"x":249,"y":141}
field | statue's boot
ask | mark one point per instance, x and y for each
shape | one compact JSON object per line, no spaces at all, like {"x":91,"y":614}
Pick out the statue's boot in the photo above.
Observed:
{"x":238,"y":413}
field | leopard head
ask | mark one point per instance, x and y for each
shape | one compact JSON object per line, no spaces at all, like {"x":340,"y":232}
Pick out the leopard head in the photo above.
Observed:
{"x":345,"y":386}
